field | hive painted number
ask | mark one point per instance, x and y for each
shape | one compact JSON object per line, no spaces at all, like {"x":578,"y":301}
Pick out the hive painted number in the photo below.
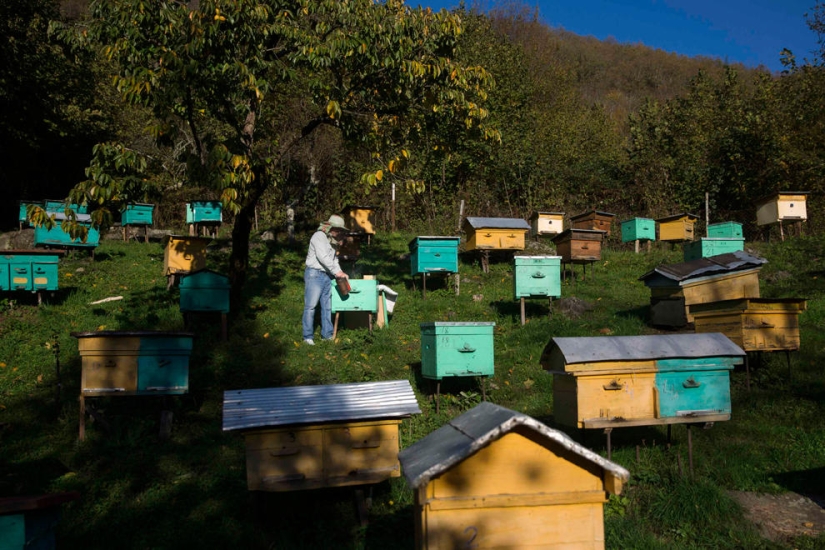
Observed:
{"x":473,"y":533}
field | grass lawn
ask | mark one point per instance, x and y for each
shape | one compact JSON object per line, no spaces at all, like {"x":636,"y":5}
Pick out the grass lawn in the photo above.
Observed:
{"x":189,"y":491}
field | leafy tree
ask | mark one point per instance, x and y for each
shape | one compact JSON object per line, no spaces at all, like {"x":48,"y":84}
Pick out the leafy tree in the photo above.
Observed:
{"x":220,"y":74}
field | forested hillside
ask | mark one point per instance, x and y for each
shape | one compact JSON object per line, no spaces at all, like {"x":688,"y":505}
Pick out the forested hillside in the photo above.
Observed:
{"x":583,"y":123}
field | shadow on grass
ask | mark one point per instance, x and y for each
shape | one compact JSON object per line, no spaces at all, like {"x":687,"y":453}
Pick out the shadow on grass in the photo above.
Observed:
{"x":810,"y":483}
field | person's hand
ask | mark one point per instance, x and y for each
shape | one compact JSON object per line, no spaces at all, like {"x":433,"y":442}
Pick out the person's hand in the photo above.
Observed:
{"x":341,"y":275}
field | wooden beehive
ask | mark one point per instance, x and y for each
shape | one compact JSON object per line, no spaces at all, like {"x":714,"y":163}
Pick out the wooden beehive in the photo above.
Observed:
{"x":28,"y":522}
{"x":546,"y":223}
{"x":363,"y":296}
{"x":56,"y":237}
{"x":495,"y":233}
{"x":676,"y":287}
{"x":360,"y":218}
{"x":137,"y":214}
{"x":705,"y":247}
{"x":638,"y":229}
{"x":309,"y":437}
{"x":456,"y":349}
{"x":754,"y":324}
{"x":22,"y":217}
{"x":536,"y":276}
{"x":593,"y":219}
{"x":434,"y":255}
{"x":204,"y":212}
{"x":31,"y":270}
{"x":579,"y":245}
{"x":782,"y":206}
{"x":677,"y":228}
{"x":725,"y":230}
{"x":612,"y":381}
{"x":183,"y":254}
{"x":496,"y":478}
{"x":204,"y":290}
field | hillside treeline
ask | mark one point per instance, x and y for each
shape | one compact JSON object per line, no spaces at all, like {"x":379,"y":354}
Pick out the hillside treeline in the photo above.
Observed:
{"x":584,"y":124}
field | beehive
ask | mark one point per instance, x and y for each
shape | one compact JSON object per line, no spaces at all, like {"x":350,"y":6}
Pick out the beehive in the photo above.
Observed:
{"x":638,"y":229}
{"x":360,"y":218}
{"x":676,"y":287}
{"x":183,"y":254}
{"x":204,"y":211}
{"x":29,"y":522}
{"x":363,"y":296}
{"x":31,"y":270}
{"x":754,"y":324}
{"x":456,"y":349}
{"x":677,"y":228}
{"x":579,"y":245}
{"x":536,"y":276}
{"x":204,"y":290}
{"x":725,"y":230}
{"x":434,"y":255}
{"x":22,"y":217}
{"x":56,"y":237}
{"x":782,"y":206}
{"x":495,"y":233}
{"x":137,"y":214}
{"x":495,"y":478}
{"x":709,"y":246}
{"x":308,"y":437}
{"x":593,"y":219}
{"x":612,"y":381}
{"x":546,"y":223}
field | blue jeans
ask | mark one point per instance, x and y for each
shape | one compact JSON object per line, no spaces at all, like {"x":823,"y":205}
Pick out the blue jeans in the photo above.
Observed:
{"x":317,"y":288}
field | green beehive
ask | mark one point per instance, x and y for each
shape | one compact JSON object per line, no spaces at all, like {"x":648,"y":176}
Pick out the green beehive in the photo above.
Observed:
{"x":29,"y":522}
{"x":204,"y":212}
{"x":456,"y":349}
{"x":204,"y":290}
{"x":32,"y":270}
{"x":434,"y":255}
{"x":536,"y":276}
{"x":59,"y":238}
{"x":707,"y":247}
{"x":363,"y":296}
{"x":725,"y":230}
{"x":137,"y":214}
{"x":638,"y":229}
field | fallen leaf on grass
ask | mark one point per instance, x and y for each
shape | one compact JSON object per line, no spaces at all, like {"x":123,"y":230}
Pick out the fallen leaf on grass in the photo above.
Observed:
{"x":528,"y":384}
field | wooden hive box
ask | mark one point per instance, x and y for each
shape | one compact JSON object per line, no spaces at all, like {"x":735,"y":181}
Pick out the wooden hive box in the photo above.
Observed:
{"x":137,"y":214}
{"x":495,"y":233}
{"x":546,"y":223}
{"x":676,"y":287}
{"x":496,"y":478}
{"x":56,"y":237}
{"x":579,"y":245}
{"x":363,"y":296}
{"x":28,"y":522}
{"x":183,"y":254}
{"x":360,"y":218}
{"x":205,"y":212}
{"x":134,"y":362}
{"x":782,"y":206}
{"x":309,"y":437}
{"x":536,"y":276}
{"x":677,"y":228}
{"x":456,"y":349}
{"x":53,"y":206}
{"x":593,"y":219}
{"x":434,"y":255}
{"x":31,"y":270}
{"x":754,"y":324}
{"x":725,"y":230}
{"x":638,"y":229}
{"x":613,"y":381}
{"x":710,"y":246}
{"x":204,"y":290}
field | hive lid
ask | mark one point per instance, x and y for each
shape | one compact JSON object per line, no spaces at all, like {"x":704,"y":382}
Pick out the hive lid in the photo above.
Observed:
{"x":33,"y":252}
{"x":722,"y":263}
{"x":536,"y":257}
{"x":414,"y":243}
{"x":60,"y":216}
{"x":589,"y":212}
{"x":137,"y":333}
{"x":243,"y":409}
{"x":479,"y":427}
{"x":497,"y":223}
{"x":777,"y":194}
{"x":675,"y":217}
{"x":568,"y":232}
{"x":595,"y":349}
{"x":458,"y":324}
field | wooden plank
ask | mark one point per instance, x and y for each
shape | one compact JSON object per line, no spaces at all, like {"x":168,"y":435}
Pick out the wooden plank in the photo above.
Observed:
{"x":594,"y":423}
{"x":517,"y":500}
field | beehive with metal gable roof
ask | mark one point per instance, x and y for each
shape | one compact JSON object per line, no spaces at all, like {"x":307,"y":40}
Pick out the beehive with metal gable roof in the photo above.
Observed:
{"x":309,"y":437}
{"x":614,"y":381}
{"x":496,"y":478}
{"x":495,"y":233}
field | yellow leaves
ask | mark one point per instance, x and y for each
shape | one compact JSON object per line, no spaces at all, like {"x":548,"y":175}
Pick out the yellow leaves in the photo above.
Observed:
{"x":333,"y":110}
{"x":405,"y":153}
{"x":2,"y":365}
{"x":392,"y":166}
{"x":266,"y":335}
{"x":379,"y":175}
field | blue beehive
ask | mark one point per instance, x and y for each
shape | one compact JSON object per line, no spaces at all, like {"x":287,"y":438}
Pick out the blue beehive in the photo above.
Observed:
{"x":638,"y":229}
{"x":58,"y":238}
{"x":53,"y":206}
{"x":434,"y":255}
{"x":22,"y":217}
{"x":32,"y":270}
{"x":204,"y":290}
{"x":456,"y":349}
{"x":536,"y":276}
{"x":137,"y":214}
{"x":204,"y":212}
{"x":28,"y":522}
{"x":707,"y":247}
{"x":363,"y":296}
{"x":725,"y":230}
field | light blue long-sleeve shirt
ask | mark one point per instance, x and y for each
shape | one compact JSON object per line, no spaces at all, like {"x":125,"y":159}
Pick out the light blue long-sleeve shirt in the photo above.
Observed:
{"x":321,"y":255}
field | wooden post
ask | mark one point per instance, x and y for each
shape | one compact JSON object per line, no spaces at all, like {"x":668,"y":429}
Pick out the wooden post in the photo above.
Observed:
{"x":522,"y":311}
{"x":460,"y":215}
{"x":636,"y":246}
{"x":781,"y":232}
{"x":392,"y":211}
{"x":707,"y":213}
{"x":457,"y":283}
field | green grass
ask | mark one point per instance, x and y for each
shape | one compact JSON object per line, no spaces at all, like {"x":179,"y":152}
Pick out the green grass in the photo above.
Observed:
{"x":190,"y":491}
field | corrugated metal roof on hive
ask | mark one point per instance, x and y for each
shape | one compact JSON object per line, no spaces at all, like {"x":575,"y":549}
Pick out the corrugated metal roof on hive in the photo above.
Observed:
{"x":502,"y":223}
{"x":255,"y":408}
{"x":733,"y":261}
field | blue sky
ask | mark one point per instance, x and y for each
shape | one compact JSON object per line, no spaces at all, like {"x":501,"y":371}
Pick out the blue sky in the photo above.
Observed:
{"x":752,"y":32}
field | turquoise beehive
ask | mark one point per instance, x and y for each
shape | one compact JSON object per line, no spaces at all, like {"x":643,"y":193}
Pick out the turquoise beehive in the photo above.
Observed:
{"x":204,"y":212}
{"x":707,"y":247}
{"x":204,"y":290}
{"x":456,"y":349}
{"x":29,"y":270}
{"x":725,"y":230}
{"x":137,"y":214}
{"x":536,"y":276}
{"x":434,"y":255}
{"x":56,"y":237}
{"x":638,"y":229}
{"x":363,"y":296}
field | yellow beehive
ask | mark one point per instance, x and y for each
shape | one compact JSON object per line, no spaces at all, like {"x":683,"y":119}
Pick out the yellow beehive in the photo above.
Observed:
{"x":495,"y":233}
{"x":184,"y":254}
{"x":360,"y":218}
{"x":495,"y":478}
{"x":754,"y":324}
{"x":677,"y":228}
{"x":783,"y":206}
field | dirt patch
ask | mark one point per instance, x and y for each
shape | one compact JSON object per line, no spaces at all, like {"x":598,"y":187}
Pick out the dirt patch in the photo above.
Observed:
{"x":783,"y":517}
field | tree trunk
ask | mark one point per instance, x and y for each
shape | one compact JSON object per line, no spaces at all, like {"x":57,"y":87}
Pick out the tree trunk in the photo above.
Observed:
{"x":239,"y":258}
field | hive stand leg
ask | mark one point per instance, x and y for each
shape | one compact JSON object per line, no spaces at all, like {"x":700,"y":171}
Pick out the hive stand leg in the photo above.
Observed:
{"x":608,"y":432}
{"x":550,"y":307}
{"x":636,"y":246}
{"x":483,"y":388}
{"x":82,"y":434}
{"x":191,"y":230}
{"x":584,"y":272}
{"x":362,"y":507}
{"x":165,"y":424}
{"x":423,"y":286}
{"x":39,"y":297}
{"x":224,"y":327}
{"x":669,"y":434}
{"x":123,"y":230}
{"x":522,"y":311}
{"x":781,"y":232}
{"x":145,"y":233}
{"x":335,"y":325}
{"x":437,"y":396}
{"x":369,"y":321}
{"x":457,"y":283}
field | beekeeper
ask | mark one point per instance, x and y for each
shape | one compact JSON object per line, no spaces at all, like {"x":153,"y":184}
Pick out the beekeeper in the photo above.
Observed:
{"x":321,"y":268}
